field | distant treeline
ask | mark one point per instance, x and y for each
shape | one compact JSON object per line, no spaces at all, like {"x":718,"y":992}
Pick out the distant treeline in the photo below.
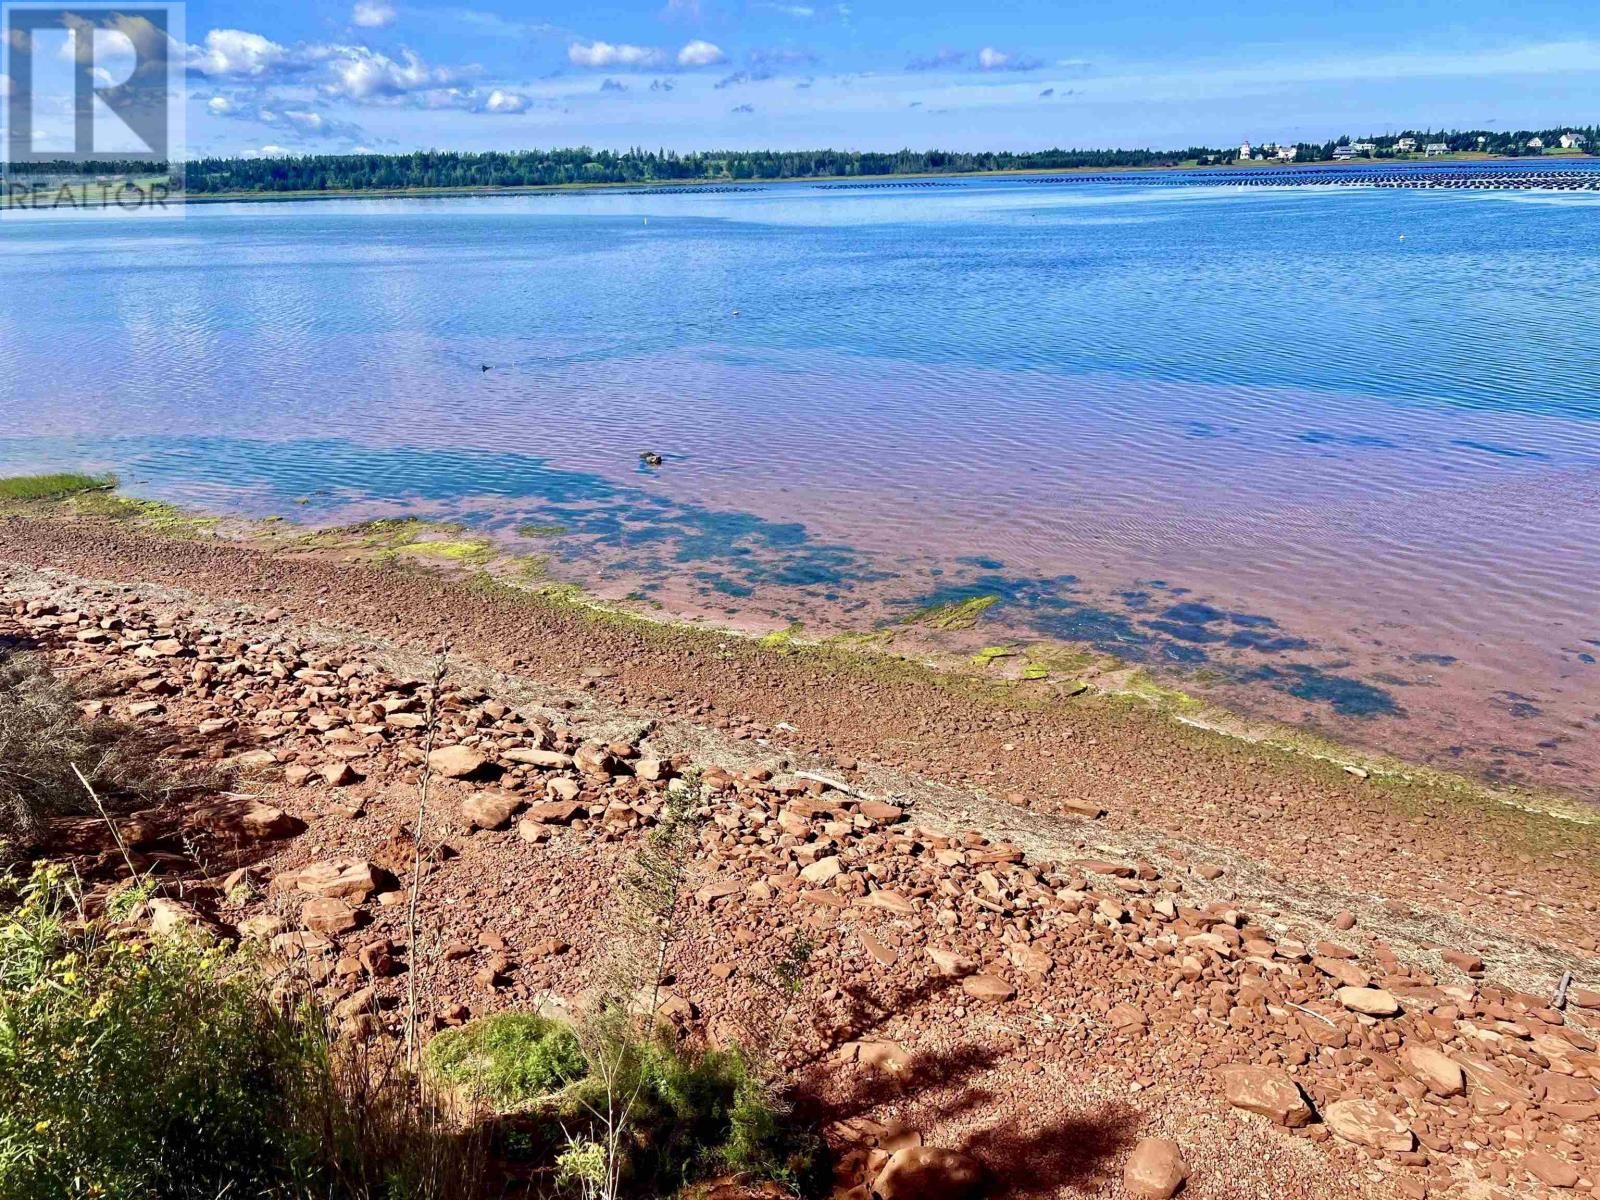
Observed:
{"x":444,"y":169}
{"x":582,"y":165}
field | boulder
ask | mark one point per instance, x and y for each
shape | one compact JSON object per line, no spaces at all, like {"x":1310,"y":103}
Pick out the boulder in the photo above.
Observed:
{"x":174,"y":918}
{"x":456,"y":762}
{"x":1547,"y":1168}
{"x":352,"y":879}
{"x":554,"y":812}
{"x":489,"y":810}
{"x":1372,"y":1002}
{"x":1440,"y":1073}
{"x":1155,"y":1170}
{"x":326,"y":914}
{"x":989,"y":988}
{"x":928,"y":1173}
{"x":823,"y":870}
{"x":1268,"y":1092}
{"x":1365,"y":1124}
{"x":948,"y":962}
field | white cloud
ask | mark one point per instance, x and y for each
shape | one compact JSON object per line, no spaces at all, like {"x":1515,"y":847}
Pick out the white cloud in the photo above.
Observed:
{"x":701,"y":54}
{"x":233,"y":53}
{"x":372,"y":14}
{"x":604,"y":54}
{"x":219,"y":106}
{"x":363,"y":74}
{"x":273,"y":150}
{"x":990,"y":59}
{"x":505,"y":102}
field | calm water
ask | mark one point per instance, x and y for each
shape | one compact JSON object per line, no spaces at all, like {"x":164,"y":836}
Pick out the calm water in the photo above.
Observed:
{"x":1330,"y":455}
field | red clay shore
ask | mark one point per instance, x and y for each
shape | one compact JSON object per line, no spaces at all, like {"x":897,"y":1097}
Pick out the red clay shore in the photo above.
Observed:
{"x":1047,"y":926}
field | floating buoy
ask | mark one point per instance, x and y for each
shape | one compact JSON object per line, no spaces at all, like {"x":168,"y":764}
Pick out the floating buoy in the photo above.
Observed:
{"x":651,"y":459}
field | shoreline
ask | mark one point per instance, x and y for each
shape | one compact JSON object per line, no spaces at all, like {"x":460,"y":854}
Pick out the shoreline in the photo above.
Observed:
{"x":1233,"y":857}
{"x":487,"y":562}
{"x":704,"y":185}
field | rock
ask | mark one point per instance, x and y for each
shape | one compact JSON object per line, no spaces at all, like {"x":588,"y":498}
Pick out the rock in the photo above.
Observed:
{"x":1365,"y":1124}
{"x":1441,"y":1074}
{"x":1373,"y":1002}
{"x":174,"y":918}
{"x":988,"y":988}
{"x":548,"y":759}
{"x":325,"y":914}
{"x":880,"y":813}
{"x":554,"y":812}
{"x":719,"y":889}
{"x":1547,"y":1168}
{"x":890,"y":902}
{"x":880,"y":1056}
{"x":1465,"y":961}
{"x":949,"y":962}
{"x":823,"y":870}
{"x":1583,"y":998}
{"x":1345,"y":921}
{"x":490,"y":810}
{"x":456,"y":762}
{"x":352,"y":879}
{"x":265,"y":822}
{"x":337,"y":774}
{"x":1268,"y":1092}
{"x":1155,"y":1170}
{"x":596,"y":760}
{"x":262,"y":927}
{"x":928,"y":1173}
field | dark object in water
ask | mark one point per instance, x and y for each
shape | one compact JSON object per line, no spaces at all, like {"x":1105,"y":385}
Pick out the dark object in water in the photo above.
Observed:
{"x":651,"y":459}
{"x":485,"y":367}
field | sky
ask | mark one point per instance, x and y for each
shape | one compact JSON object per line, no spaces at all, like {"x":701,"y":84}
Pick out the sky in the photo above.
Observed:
{"x":322,"y":76}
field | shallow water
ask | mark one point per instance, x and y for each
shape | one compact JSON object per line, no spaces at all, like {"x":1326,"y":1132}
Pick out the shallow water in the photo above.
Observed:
{"x":1328,"y":454}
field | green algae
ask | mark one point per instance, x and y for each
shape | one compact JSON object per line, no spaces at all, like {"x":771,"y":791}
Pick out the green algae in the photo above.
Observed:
{"x":956,"y":614}
{"x":540,"y":531}
{"x":990,"y":654}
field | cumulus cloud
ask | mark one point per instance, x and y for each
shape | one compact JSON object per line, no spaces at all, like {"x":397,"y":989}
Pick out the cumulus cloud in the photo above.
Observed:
{"x":365,"y":75}
{"x":605,"y":54}
{"x":273,"y":150}
{"x":701,"y":54}
{"x":372,"y":14}
{"x":500,"y":101}
{"x":219,"y":106}
{"x":235,"y":54}
{"x":990,"y":59}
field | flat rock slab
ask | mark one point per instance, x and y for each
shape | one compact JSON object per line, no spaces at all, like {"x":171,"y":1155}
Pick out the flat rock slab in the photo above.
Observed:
{"x":1267,"y":1092}
{"x":1365,"y":1124}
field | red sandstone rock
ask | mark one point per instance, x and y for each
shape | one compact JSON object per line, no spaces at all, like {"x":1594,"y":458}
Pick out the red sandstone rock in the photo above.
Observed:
{"x":928,"y":1173}
{"x":1268,"y":1092}
{"x":1155,"y":1170}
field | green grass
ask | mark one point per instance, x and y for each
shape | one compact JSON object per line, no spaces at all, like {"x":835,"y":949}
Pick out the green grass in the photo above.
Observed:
{"x":53,"y":487}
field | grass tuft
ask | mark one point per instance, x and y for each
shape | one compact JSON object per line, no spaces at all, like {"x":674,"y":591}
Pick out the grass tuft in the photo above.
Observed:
{"x":53,"y":487}
{"x":509,"y":1060}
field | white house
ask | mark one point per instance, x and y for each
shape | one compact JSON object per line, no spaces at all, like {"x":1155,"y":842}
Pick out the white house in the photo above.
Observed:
{"x":1535,"y":143}
{"x":1434,"y":149}
{"x":1571,"y":141}
{"x":1364,"y":147}
{"x":1288,"y":153}
{"x":1244,"y":152}
{"x":1406,"y":145}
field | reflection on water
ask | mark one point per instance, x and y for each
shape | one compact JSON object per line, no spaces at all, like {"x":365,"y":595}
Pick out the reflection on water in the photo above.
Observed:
{"x":1257,"y":439}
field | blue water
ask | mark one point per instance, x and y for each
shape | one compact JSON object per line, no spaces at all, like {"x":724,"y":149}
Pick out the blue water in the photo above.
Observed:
{"x":1335,"y":448}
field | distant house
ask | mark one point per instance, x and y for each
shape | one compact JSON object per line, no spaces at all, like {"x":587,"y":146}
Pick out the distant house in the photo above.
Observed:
{"x":1244,"y":152}
{"x":1434,"y":149}
{"x":1406,"y":145}
{"x":1571,"y":141}
{"x":1364,"y":147}
{"x":1340,"y":153}
{"x":1535,"y":143}
{"x":1288,"y":153}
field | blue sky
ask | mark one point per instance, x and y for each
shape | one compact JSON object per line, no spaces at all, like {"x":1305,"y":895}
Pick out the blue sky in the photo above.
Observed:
{"x":873,"y":74}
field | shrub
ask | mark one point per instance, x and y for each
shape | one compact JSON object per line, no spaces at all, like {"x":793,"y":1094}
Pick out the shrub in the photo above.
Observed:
{"x":160,"y":1070}
{"x":43,"y":735}
{"x":508,"y":1060}
{"x":133,"y":1070}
